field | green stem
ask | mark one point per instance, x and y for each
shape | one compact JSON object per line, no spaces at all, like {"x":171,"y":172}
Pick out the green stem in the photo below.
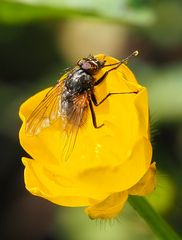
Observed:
{"x":161,"y":228}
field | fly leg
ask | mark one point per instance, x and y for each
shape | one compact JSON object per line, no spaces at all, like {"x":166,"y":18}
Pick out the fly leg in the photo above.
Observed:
{"x":93,"y":115}
{"x":94,"y":100}
{"x":105,"y":74}
{"x":93,"y":97}
{"x":117,"y":64}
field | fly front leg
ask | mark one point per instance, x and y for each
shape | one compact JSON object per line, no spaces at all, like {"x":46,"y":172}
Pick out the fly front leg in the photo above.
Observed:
{"x":105,"y":74}
{"x":117,"y":64}
{"x":93,"y":97}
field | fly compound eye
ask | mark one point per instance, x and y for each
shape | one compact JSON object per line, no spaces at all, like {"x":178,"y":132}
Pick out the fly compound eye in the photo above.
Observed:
{"x":85,"y":64}
{"x":88,"y":66}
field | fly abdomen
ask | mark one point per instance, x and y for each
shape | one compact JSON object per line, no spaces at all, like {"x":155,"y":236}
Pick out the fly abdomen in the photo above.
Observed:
{"x":74,"y":107}
{"x":66,"y":103}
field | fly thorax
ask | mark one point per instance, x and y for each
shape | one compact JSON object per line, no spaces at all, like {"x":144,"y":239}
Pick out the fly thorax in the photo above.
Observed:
{"x":79,"y":82}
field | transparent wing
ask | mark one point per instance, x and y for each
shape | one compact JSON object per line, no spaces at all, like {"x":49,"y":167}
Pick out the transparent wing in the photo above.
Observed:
{"x":74,"y":121}
{"x":47,"y":112}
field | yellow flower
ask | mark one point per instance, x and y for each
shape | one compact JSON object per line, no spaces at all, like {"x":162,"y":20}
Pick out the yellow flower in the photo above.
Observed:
{"x":107,"y":164}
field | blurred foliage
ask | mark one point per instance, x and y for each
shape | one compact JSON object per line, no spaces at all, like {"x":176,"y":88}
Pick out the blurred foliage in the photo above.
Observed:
{"x":164,"y":85}
{"x":23,"y":11}
{"x":165,"y":191}
{"x":167,"y":30}
{"x":117,"y":229}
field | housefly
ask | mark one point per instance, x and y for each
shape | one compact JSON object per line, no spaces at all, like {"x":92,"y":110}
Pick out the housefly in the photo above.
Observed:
{"x":70,"y":99}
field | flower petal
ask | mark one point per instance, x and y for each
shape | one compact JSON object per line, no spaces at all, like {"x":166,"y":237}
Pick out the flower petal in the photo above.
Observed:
{"x":146,"y":184}
{"x":109,"y":208}
{"x":43,"y":183}
{"x":118,"y":177}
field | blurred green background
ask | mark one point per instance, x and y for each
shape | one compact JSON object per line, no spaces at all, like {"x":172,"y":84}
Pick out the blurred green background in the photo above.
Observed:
{"x":38,"y":40}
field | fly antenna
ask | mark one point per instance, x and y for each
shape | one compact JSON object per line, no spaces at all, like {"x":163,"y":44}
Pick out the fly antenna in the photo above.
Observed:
{"x":125,"y":60}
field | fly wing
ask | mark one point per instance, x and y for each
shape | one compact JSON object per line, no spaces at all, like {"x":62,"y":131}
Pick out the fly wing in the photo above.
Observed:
{"x":47,"y":112}
{"x":75,"y":119}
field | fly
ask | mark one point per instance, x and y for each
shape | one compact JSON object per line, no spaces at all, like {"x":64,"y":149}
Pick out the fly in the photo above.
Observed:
{"x":70,"y":99}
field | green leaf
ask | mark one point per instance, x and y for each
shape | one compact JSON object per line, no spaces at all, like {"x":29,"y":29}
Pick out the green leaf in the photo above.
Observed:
{"x":24,"y":11}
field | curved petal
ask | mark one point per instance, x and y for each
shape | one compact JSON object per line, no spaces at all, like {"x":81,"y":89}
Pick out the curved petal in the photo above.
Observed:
{"x":43,"y":183}
{"x":118,"y":177}
{"x":109,"y":208}
{"x":146,"y":184}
